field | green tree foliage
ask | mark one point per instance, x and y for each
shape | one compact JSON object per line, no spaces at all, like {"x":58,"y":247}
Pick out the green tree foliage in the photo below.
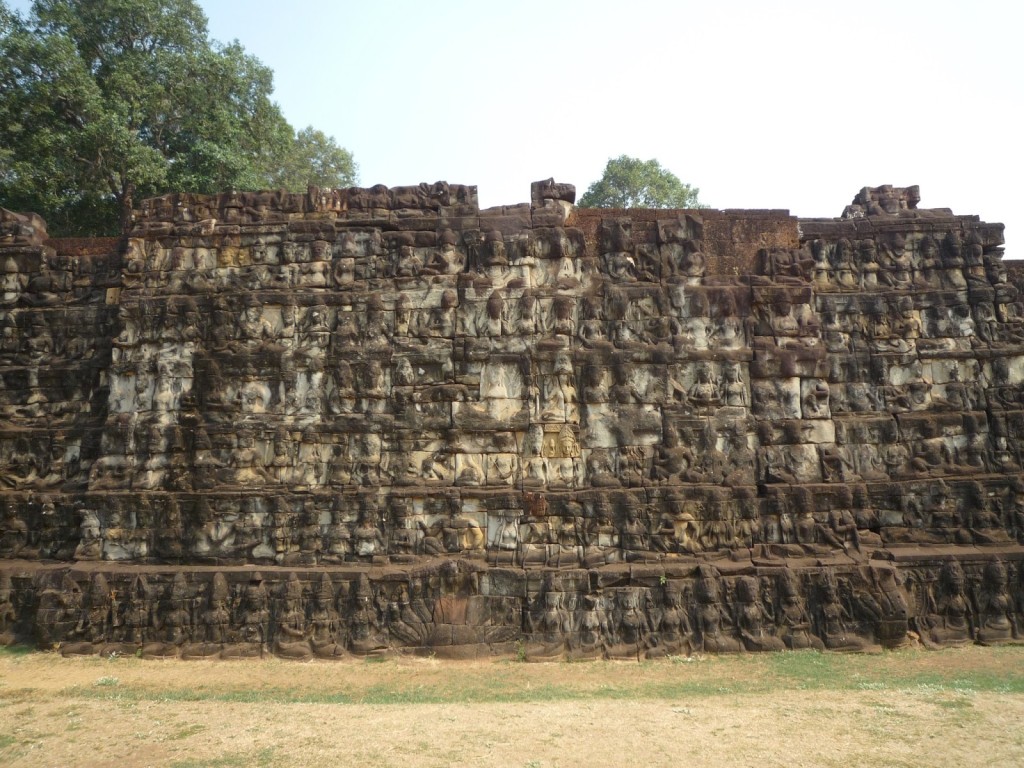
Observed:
{"x":631,"y":183}
{"x":104,"y":102}
{"x":314,"y":159}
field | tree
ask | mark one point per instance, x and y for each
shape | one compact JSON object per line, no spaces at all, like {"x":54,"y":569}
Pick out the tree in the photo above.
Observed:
{"x":103,"y":102}
{"x":631,"y":183}
{"x":314,"y":159}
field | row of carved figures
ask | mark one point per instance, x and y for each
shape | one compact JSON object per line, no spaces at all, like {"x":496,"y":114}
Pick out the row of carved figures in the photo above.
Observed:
{"x":238,"y":208}
{"x":685,"y":323}
{"x":941,"y":605}
{"x":170,"y":458}
{"x":598,"y":526}
{"x":894,"y":263}
{"x":436,"y":460}
{"x":530,"y":527}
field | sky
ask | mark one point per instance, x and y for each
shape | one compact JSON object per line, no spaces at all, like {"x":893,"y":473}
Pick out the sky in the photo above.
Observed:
{"x":793,"y":105}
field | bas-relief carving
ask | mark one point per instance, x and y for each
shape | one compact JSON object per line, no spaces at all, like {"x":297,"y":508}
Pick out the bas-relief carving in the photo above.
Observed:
{"x":354,"y":380}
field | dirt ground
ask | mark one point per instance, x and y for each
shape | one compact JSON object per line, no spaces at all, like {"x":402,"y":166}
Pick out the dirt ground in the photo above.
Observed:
{"x":961,"y":707}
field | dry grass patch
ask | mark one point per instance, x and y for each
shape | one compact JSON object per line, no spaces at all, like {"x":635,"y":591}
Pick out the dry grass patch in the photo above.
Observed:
{"x":909,"y":708}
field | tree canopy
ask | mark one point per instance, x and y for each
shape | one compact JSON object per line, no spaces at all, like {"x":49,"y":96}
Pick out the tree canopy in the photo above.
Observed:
{"x":103,"y":102}
{"x":314,"y":159}
{"x":628,"y":182}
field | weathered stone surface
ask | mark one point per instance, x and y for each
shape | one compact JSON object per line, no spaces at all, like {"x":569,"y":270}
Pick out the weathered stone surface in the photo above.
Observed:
{"x":358,"y":421}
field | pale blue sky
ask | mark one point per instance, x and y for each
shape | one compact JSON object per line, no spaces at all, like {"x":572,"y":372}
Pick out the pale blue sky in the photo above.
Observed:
{"x":787,"y":105}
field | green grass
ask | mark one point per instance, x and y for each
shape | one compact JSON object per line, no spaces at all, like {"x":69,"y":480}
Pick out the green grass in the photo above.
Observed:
{"x":679,"y":679}
{"x":836,"y":671}
{"x":16,"y":650}
{"x":812,"y":669}
{"x":802,"y":670}
{"x":960,"y":703}
{"x":262,"y":758}
{"x":187,"y":732}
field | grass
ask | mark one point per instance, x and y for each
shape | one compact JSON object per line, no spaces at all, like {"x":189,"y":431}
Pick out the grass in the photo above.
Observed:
{"x":16,"y":650}
{"x":262,"y":758}
{"x":188,"y":731}
{"x":834,"y":671}
{"x":698,"y":677}
{"x":884,"y":708}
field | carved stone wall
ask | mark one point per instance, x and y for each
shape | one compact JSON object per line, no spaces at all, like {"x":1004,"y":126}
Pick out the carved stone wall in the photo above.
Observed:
{"x":364,"y":420}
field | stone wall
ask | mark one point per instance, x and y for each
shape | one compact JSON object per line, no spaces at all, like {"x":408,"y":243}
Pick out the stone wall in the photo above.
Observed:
{"x":368,"y":420}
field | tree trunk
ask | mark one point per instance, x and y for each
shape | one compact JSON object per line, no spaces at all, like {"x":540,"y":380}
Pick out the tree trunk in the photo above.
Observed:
{"x":126,"y":203}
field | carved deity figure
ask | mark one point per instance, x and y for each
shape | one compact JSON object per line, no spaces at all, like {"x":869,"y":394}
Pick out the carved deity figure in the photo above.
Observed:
{"x":996,"y":619}
{"x":756,"y":628}
{"x":327,"y":636}
{"x":253,"y":327}
{"x":948,"y":619}
{"x":245,"y":463}
{"x":836,"y":627}
{"x":550,"y":626}
{"x":713,"y":625}
{"x":794,"y":619}
{"x":292,"y":639}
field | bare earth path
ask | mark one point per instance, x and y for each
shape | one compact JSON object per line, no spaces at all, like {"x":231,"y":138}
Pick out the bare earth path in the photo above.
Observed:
{"x":961,"y":707}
